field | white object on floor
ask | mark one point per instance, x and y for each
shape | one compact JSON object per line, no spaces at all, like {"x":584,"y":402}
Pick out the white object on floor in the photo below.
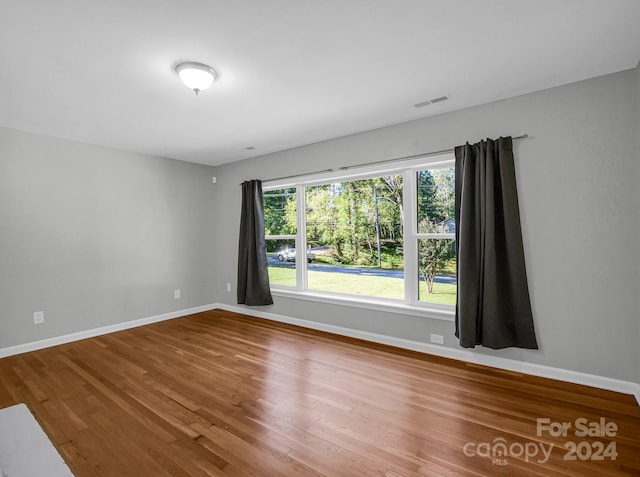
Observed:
{"x":25,"y":450}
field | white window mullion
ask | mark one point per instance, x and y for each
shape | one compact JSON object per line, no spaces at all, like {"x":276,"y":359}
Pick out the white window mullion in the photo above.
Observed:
{"x":279,"y":237}
{"x":410,"y":243}
{"x":436,"y":236}
{"x":301,"y":239}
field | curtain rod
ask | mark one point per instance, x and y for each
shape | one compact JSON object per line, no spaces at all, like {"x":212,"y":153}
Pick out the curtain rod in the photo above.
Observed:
{"x":346,"y":168}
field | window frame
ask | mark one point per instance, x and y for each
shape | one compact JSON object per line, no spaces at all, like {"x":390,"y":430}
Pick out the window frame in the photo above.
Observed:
{"x":411,"y":304}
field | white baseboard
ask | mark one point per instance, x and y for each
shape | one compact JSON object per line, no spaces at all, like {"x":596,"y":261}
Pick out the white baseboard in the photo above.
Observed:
{"x":625,"y":387}
{"x":81,"y":335}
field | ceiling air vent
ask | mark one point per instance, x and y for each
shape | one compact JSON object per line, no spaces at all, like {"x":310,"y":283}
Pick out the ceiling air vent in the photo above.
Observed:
{"x":431,"y":101}
{"x":439,"y":100}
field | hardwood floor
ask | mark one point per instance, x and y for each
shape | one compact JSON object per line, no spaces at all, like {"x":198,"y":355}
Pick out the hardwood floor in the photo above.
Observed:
{"x":219,"y":393}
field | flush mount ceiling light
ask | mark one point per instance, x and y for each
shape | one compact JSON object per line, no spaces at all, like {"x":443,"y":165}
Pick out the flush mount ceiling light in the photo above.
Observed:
{"x":196,"y":76}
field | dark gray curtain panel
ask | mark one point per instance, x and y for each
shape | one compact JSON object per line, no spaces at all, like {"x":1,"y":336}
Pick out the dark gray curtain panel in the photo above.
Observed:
{"x":253,"y":274}
{"x":493,"y":307}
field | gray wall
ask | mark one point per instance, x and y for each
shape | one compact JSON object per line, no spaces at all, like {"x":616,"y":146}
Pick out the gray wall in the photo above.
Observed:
{"x":578,"y":195}
{"x":637,"y":216}
{"x":94,"y":236}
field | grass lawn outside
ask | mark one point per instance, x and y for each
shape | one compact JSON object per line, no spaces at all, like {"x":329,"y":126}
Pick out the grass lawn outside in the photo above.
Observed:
{"x":386,"y":287}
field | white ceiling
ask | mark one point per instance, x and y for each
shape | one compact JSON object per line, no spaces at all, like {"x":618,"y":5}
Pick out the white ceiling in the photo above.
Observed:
{"x":292,"y":72}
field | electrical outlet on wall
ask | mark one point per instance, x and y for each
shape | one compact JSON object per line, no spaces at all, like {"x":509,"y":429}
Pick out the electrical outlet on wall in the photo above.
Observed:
{"x":438,"y":339}
{"x":38,"y":317}
{"x":176,"y":294}
{"x":228,"y":287}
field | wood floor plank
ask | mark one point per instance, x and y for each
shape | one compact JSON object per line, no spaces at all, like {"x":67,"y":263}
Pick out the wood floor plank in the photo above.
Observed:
{"x":223,"y":394}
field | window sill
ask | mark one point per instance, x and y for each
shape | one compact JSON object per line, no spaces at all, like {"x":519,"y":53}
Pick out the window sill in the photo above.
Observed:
{"x":436,"y":312}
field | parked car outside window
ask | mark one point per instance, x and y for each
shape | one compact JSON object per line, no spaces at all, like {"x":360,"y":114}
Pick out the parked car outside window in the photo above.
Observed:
{"x":289,"y":255}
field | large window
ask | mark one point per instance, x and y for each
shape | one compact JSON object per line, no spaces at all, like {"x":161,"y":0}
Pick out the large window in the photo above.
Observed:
{"x":380,"y":236}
